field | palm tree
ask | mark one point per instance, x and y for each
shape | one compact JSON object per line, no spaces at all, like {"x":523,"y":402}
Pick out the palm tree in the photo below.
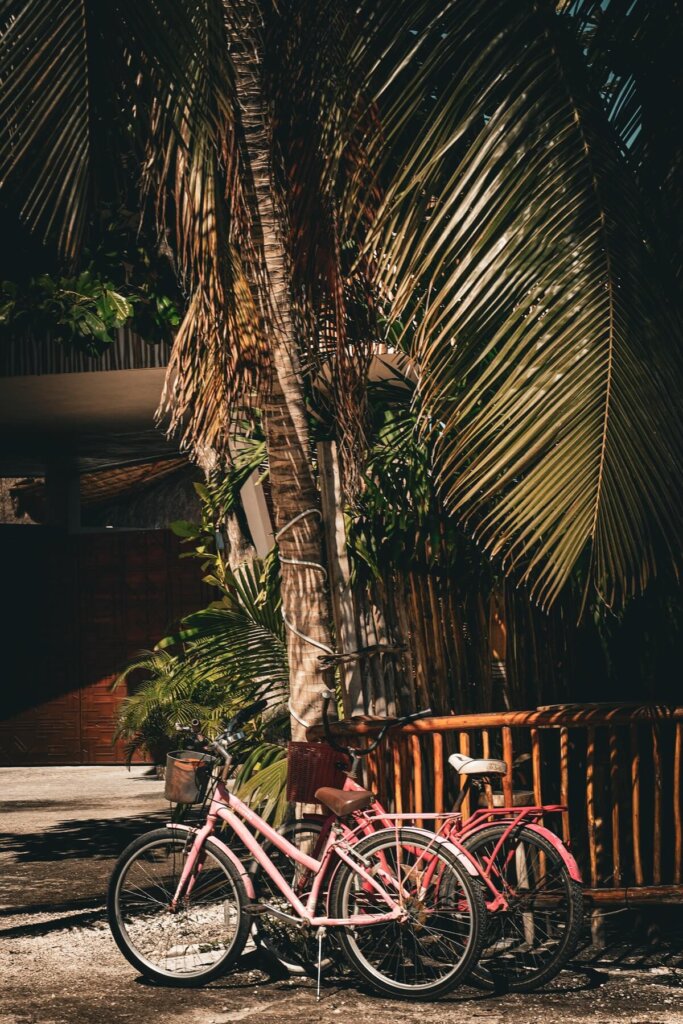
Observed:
{"x":472,"y":179}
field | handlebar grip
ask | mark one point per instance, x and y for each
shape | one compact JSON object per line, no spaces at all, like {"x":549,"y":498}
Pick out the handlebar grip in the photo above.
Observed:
{"x":243,"y":716}
{"x":426,"y":713}
{"x":327,"y":696}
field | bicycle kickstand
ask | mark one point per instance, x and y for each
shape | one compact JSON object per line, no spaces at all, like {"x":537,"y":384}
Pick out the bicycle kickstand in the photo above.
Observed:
{"x":321,"y":935}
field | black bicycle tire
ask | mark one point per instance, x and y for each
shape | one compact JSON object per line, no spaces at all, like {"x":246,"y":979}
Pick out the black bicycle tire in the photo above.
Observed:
{"x":470,"y":885}
{"x":242,"y":932}
{"x":485,"y":977}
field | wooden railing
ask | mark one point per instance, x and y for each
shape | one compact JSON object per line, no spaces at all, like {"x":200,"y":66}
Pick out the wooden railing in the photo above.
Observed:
{"x":616,"y":768}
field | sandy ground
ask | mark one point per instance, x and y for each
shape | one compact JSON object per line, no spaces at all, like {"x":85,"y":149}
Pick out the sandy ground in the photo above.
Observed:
{"x":62,"y":829}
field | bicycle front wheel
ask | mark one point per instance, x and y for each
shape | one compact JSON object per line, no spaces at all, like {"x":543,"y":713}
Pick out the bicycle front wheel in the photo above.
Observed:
{"x":439,"y":941}
{"x":529,"y":943}
{"x":196,"y":941}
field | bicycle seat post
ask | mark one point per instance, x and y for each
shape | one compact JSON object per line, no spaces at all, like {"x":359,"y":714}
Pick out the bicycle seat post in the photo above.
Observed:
{"x":353,"y":771}
{"x":464,"y":790}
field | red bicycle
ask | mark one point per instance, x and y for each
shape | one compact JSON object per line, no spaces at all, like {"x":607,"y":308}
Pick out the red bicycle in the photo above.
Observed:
{"x":532,"y":882}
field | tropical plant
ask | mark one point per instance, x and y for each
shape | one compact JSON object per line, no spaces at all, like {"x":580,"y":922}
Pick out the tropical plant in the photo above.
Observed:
{"x":85,"y":309}
{"x":221,"y":657}
{"x":123,"y":280}
{"x":472,"y":173}
{"x":514,"y":241}
{"x":219,"y":499}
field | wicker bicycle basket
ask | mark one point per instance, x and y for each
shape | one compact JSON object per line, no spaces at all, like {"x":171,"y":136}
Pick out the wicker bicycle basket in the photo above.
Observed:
{"x":310,"y":766}
{"x":187,"y":776}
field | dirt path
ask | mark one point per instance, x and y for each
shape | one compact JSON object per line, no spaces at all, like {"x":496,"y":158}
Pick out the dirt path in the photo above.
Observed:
{"x":59,"y":964}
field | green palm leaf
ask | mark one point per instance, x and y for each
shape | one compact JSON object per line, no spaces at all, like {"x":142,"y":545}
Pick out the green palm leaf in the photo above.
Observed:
{"x":261,"y":781}
{"x":79,"y":84}
{"x":221,"y":658}
{"x":511,"y":242}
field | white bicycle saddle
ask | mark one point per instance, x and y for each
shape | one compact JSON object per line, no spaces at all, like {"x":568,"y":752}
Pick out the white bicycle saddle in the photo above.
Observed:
{"x":477,"y":765}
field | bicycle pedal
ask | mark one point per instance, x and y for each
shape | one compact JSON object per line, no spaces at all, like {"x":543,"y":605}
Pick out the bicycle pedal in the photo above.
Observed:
{"x":256,"y":909}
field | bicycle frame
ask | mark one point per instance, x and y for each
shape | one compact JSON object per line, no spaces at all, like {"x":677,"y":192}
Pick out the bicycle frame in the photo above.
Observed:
{"x":226,"y":807}
{"x":454,"y":830}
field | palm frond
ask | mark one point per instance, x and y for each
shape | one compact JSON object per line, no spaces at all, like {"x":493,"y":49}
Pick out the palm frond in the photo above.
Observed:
{"x":77,"y":83}
{"x":198,"y":178}
{"x":305,"y":59}
{"x":261,"y":782}
{"x":632,"y":50}
{"x":222,"y":657}
{"x":511,"y":243}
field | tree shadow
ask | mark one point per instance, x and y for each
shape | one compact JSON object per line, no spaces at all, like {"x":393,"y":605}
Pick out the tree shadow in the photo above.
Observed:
{"x":645,"y":939}
{"x":88,"y":838}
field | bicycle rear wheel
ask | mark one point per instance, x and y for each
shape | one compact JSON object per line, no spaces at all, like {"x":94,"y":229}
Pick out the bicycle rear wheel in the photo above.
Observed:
{"x":528,"y":944}
{"x":197,"y":941}
{"x":439,"y":942}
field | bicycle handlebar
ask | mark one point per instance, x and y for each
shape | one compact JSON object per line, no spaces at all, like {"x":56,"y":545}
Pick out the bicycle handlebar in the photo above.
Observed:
{"x":232,"y":732}
{"x":330,"y":660}
{"x":327,"y":696}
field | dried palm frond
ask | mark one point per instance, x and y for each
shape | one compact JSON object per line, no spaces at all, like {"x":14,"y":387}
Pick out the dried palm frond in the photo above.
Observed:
{"x":195,"y":170}
{"x":306,"y":58}
{"x":95,"y":97}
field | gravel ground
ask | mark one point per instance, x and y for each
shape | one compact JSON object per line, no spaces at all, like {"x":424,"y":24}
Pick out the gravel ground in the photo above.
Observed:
{"x":62,"y":829}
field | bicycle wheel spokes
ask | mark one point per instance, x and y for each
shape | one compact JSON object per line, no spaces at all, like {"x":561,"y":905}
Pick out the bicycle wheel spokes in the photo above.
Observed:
{"x":431,"y":949}
{"x":194,"y":937}
{"x":529,"y":942}
{"x":295,"y":948}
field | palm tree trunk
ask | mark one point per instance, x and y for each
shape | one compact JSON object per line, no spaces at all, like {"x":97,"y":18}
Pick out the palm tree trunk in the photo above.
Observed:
{"x":294,"y":492}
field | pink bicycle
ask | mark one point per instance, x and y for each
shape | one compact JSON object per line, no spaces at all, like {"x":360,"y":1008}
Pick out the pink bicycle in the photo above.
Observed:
{"x":406,"y":905}
{"x":531,"y":882}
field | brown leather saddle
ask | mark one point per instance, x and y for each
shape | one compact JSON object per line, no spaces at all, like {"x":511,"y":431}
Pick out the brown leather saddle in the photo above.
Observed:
{"x":341,"y":802}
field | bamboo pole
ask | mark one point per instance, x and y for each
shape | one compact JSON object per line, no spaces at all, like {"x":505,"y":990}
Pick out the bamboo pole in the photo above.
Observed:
{"x":536,"y":766}
{"x":657,"y":806}
{"x":398,"y":777}
{"x":407,"y":774}
{"x":635,"y":805}
{"x":409,"y":691}
{"x":464,"y":747}
{"x":564,"y":781}
{"x":438,"y":632}
{"x":460,"y":668}
{"x":486,"y":752}
{"x":678,"y":824}
{"x":633,"y":895}
{"x":536,"y":770}
{"x":614,"y":789}
{"x":439,"y":779}
{"x":373,"y":771}
{"x":378,"y":761}
{"x":597,"y":917}
{"x":416,"y":757}
{"x":590,"y":806}
{"x":508,"y":756}
{"x":416,"y":625}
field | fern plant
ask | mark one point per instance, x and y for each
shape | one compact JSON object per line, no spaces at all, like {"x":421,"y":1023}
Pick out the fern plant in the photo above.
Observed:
{"x":221,"y":658}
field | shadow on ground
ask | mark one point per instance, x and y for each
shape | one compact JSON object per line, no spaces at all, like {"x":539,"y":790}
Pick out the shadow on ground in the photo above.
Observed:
{"x":92,"y":838}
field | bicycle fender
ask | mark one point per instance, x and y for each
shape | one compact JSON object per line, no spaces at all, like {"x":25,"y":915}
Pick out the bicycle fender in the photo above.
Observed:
{"x":464,"y":857}
{"x":567,"y":857}
{"x":242,"y":871}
